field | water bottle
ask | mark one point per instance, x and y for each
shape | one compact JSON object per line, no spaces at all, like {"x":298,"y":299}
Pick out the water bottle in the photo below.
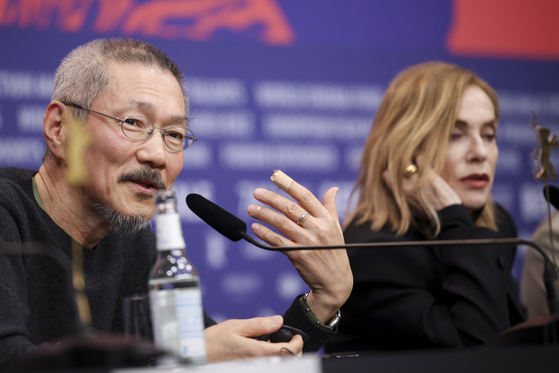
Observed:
{"x":174,"y":289}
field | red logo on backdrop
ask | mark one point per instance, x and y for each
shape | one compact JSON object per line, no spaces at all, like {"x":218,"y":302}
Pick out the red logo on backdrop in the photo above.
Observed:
{"x":504,"y":28}
{"x":169,"y":19}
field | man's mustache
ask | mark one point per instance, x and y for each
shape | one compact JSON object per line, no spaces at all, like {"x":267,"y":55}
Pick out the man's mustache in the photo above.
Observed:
{"x":143,"y":176}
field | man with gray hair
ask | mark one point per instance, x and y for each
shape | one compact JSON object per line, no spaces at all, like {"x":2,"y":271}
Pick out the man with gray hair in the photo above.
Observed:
{"x":125,"y":93}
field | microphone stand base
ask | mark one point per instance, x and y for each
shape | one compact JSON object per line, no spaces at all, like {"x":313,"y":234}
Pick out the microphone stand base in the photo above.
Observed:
{"x":543,"y":330}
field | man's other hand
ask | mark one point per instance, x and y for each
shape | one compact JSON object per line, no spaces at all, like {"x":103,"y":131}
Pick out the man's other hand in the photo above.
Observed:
{"x":231,"y":339}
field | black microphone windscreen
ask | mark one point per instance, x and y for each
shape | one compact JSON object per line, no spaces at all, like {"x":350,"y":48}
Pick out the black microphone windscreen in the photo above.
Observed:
{"x":553,"y":196}
{"x":219,"y":219}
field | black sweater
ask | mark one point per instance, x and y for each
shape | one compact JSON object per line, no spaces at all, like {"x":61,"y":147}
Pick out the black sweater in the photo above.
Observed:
{"x":36,"y":304}
{"x":429,"y":296}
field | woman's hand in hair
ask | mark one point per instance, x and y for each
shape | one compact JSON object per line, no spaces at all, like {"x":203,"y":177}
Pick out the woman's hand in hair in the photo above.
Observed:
{"x":438,"y":193}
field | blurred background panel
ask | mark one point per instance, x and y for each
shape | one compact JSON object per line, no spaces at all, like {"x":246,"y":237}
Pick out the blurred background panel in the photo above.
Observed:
{"x":290,"y":85}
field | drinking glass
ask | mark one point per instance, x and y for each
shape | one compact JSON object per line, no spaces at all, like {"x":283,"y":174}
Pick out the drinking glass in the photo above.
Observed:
{"x":137,"y":318}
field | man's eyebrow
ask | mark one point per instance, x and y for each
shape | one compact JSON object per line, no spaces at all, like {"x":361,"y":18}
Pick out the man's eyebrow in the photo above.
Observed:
{"x":139,"y":104}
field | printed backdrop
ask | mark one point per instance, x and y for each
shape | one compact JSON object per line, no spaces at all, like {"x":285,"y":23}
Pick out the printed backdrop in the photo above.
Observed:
{"x":290,"y":85}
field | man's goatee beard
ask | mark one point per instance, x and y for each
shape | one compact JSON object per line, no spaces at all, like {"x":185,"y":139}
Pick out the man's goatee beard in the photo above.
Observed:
{"x":120,"y":224}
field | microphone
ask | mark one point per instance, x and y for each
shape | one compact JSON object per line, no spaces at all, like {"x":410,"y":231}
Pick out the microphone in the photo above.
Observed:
{"x":551,"y":194}
{"x":216,"y":217}
{"x":234,"y":228}
{"x":226,"y":223}
{"x":553,"y":197}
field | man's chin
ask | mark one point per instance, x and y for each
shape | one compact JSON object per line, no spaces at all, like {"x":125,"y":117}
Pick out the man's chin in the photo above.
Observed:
{"x":144,"y":207}
{"x":122,"y":223}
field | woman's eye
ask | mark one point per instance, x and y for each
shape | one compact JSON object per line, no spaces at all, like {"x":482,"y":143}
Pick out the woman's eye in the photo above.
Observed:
{"x":131,"y":121}
{"x":456,"y":136}
{"x":489,"y":137}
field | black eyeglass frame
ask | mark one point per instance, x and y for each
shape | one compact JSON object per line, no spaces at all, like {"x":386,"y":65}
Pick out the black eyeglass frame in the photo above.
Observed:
{"x":149,"y":134}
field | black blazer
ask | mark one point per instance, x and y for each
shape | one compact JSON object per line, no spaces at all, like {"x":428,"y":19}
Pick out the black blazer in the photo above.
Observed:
{"x":429,"y":296}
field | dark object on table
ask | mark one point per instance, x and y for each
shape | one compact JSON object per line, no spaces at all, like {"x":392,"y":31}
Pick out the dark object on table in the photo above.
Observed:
{"x":96,"y":353}
{"x":283,"y":334}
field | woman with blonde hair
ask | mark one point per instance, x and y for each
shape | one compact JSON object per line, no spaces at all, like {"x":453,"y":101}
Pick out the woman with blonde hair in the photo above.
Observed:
{"x":426,"y":174}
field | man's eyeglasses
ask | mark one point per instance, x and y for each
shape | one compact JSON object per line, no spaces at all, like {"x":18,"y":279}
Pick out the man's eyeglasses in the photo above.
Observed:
{"x":140,"y":128}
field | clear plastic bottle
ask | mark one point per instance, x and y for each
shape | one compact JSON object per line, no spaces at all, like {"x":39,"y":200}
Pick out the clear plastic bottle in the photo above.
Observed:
{"x":174,"y":286}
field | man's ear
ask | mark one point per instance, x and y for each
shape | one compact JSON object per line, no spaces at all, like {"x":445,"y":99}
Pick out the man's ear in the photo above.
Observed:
{"x":54,"y":129}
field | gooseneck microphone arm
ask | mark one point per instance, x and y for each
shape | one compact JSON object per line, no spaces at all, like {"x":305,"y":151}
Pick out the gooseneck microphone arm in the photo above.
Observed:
{"x":235,"y":229}
{"x":549,"y":274}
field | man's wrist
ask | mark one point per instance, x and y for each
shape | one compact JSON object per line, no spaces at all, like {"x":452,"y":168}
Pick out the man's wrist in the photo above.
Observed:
{"x":329,"y":325}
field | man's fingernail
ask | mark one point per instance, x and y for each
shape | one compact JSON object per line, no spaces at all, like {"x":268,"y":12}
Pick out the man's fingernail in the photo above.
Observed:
{"x":277,"y":320}
{"x":251,"y":209}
